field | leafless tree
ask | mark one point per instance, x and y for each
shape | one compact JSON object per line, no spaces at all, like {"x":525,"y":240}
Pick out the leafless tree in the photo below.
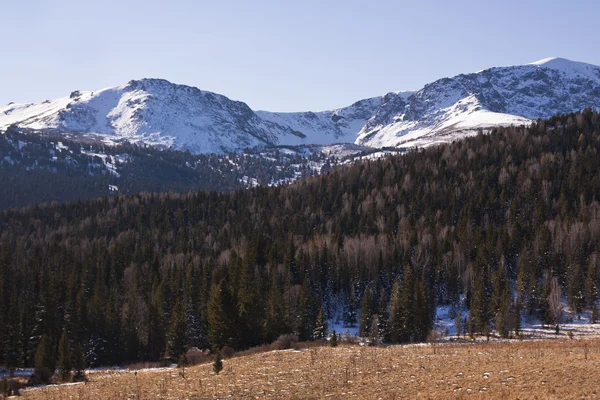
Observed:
{"x":554,"y":300}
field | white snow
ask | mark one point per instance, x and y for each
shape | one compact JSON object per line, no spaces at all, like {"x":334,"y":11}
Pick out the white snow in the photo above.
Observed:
{"x":162,"y":114}
{"x":569,"y":67}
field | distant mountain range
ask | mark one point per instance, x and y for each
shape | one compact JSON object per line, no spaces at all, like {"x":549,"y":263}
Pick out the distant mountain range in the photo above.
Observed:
{"x":159,"y":113}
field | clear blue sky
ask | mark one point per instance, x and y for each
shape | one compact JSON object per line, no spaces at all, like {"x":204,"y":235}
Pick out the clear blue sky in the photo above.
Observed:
{"x":280,"y":55}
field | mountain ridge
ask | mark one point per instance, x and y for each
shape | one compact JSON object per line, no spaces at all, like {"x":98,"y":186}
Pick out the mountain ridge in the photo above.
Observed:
{"x":163,"y":114}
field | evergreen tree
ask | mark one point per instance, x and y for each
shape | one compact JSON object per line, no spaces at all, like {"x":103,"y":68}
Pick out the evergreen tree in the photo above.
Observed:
{"x":478,"y":317}
{"x":305,"y":319}
{"x":249,"y":304}
{"x":333,"y":342}
{"x":276,"y":320}
{"x":218,"y":363}
{"x":395,"y":321}
{"x":458,"y":324}
{"x":321,"y":326}
{"x":221,"y":313}
{"x":44,"y":362}
{"x":64,"y":363}
{"x":383,"y":333}
{"x":366,"y":313}
{"x":79,"y":363}
{"x":177,"y":338}
{"x":156,"y":331}
{"x":12,"y":343}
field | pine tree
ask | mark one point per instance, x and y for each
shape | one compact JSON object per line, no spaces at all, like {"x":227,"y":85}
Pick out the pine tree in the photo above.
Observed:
{"x":44,"y":363}
{"x":177,"y":339}
{"x":13,"y":351}
{"x":383,"y":333}
{"x":221,"y":311}
{"x":395,"y":317}
{"x":305,"y":319}
{"x":333,"y":342}
{"x":156,"y":331}
{"x":218,"y":363}
{"x":458,"y":324}
{"x":321,"y":326}
{"x":595,"y":313}
{"x":276,"y":320}
{"x":517,"y":316}
{"x":79,"y":363}
{"x":365,"y":313}
{"x":478,"y":320}
{"x":64,"y":363}
{"x":413,"y":309}
{"x":250,"y":304}
{"x":591,"y":290}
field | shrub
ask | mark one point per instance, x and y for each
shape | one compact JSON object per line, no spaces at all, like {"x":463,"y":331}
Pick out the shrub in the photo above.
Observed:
{"x":333,"y":342}
{"x":218,"y":364}
{"x":227,"y":352}
{"x":284,"y":342}
{"x":9,"y":387}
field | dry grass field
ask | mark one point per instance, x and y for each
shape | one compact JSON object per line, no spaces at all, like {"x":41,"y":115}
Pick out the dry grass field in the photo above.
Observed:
{"x":550,"y":369}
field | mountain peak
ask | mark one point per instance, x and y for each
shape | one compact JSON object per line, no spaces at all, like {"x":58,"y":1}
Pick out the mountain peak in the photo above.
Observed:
{"x":570,"y":67}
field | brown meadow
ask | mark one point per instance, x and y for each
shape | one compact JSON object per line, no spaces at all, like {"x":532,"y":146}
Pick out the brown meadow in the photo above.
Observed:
{"x":549,"y":369}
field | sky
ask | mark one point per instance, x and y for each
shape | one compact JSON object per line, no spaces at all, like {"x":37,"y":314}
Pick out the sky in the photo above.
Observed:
{"x":280,"y":55}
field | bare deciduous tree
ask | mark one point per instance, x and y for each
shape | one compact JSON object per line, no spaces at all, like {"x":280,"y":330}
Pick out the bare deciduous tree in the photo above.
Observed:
{"x":554,"y":301}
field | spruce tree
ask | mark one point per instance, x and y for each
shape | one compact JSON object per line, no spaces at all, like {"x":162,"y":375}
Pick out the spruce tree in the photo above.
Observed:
{"x":249,"y":304}
{"x":221,"y":314}
{"x":305,"y":319}
{"x":458,"y":324}
{"x":395,"y":317}
{"x":64,"y":363}
{"x":321,"y":326}
{"x":218,"y":363}
{"x":333,"y":342}
{"x":177,"y":339}
{"x":79,"y":363}
{"x":44,"y":365}
{"x":365,"y":313}
{"x":383,"y":333}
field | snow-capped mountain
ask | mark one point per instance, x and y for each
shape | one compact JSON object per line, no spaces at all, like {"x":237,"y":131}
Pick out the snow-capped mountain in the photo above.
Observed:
{"x":157,"y":112}
{"x":152,"y":111}
{"x":453,"y":107}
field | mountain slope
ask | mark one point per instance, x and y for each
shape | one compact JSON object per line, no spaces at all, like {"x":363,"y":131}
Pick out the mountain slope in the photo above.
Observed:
{"x":457,"y":106}
{"x":159,"y":113}
{"x":151,"y":111}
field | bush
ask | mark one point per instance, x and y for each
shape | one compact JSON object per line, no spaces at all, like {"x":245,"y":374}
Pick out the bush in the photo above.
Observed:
{"x":41,"y":376}
{"x":196,"y":357}
{"x":227,"y":352}
{"x":284,"y":342}
{"x":333,"y":342}
{"x":9,"y":387}
{"x":183,"y":361}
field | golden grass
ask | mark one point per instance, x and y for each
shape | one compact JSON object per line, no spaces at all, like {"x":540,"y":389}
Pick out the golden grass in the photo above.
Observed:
{"x":557,"y":369}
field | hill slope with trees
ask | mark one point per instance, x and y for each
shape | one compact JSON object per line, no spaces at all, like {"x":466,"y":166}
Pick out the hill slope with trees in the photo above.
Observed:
{"x":499,"y":222}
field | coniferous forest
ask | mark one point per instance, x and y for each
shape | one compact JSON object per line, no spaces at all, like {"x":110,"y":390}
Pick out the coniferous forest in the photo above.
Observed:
{"x":502,"y":222}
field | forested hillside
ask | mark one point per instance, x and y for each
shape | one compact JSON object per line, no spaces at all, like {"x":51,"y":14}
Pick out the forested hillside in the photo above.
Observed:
{"x":499,"y":222}
{"x":36,"y":168}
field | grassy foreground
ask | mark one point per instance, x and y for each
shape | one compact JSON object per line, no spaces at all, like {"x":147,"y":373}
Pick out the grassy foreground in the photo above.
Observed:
{"x":547,"y":369}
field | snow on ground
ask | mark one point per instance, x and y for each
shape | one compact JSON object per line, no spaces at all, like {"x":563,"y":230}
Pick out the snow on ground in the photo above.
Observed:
{"x":340,"y":329}
{"x":578,"y":325}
